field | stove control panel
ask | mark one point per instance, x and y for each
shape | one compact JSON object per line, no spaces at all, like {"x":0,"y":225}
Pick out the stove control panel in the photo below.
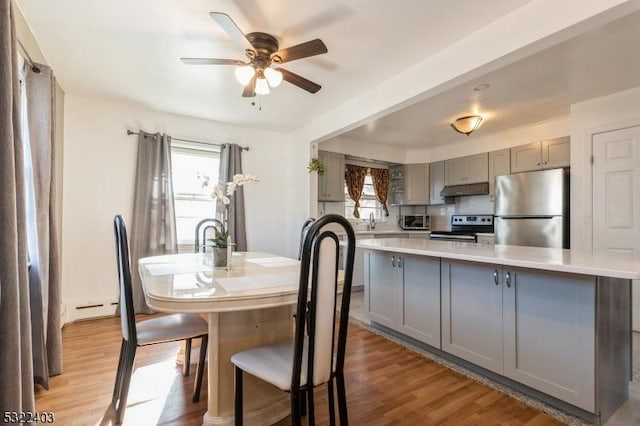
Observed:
{"x":480,"y":220}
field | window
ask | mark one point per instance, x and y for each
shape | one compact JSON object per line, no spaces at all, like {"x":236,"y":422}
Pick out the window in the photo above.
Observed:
{"x":368,"y":202}
{"x":195,"y":174}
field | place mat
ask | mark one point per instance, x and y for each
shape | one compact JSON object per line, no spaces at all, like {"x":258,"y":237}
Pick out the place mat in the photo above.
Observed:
{"x":273,"y":262}
{"x":259,"y":282}
{"x":157,"y":269}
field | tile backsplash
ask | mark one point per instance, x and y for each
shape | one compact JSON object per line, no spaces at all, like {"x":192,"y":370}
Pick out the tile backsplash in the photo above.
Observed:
{"x":441,"y":215}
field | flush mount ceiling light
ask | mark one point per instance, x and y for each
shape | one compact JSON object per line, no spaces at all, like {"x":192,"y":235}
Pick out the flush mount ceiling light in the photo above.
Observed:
{"x":467,"y":124}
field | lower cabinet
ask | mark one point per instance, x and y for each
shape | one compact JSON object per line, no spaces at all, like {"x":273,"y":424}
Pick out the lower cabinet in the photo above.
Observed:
{"x":404,"y":294}
{"x":534,"y":327}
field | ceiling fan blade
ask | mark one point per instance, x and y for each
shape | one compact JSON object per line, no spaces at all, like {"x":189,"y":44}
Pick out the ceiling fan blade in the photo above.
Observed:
{"x":232,"y":29}
{"x":250,"y":89}
{"x":299,"y":81}
{"x":303,"y":50}
{"x":211,"y":61}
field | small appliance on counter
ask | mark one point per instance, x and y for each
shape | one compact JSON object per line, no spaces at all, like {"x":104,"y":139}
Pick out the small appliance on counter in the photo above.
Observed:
{"x":532,"y":209}
{"x":465,"y":228}
{"x":415,"y":222}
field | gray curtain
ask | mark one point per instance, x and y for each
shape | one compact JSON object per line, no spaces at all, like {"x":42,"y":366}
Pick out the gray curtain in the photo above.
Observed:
{"x":153,"y":227}
{"x":44,"y":275}
{"x":231,"y":164}
{"x":16,"y":363}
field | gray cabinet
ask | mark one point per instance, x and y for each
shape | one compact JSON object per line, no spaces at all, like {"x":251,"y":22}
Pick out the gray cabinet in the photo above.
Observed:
{"x":416,"y":184}
{"x":470,"y":169}
{"x":404,"y":294}
{"x":384,"y":289}
{"x":534,"y":327}
{"x":436,"y":182}
{"x":472,"y":313}
{"x":547,"y":154}
{"x":549,"y":339}
{"x":499,"y":164}
{"x":331,"y":184}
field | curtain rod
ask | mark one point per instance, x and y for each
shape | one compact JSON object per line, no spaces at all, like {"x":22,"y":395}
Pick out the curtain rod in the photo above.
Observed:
{"x":129,"y":132}
{"x":34,"y":67}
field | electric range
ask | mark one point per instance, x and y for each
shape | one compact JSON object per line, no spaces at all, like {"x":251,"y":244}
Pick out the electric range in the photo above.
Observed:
{"x":465,"y":228}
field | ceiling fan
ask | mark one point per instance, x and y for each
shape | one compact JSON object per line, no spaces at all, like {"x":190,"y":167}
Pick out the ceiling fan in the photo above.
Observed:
{"x":263,"y":51}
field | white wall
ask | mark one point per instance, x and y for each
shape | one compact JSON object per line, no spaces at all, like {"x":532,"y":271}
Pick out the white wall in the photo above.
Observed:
{"x":587,"y":118}
{"x":99,"y":170}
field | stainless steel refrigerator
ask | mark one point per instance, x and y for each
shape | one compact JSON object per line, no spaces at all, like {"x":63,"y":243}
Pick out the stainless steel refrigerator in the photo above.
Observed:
{"x":532,"y":209}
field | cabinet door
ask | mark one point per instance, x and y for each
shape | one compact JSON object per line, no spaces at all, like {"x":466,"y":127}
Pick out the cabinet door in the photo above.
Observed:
{"x":331,"y":184}
{"x":456,"y":171}
{"x":478,"y":168}
{"x":417,"y":184}
{"x":472,"y":313}
{"x":436,"y":182}
{"x":556,"y":153}
{"x":499,"y":164}
{"x":470,"y":169}
{"x":549,"y":341}
{"x":385,"y":289}
{"x":526,"y":157}
{"x":421,"y":299}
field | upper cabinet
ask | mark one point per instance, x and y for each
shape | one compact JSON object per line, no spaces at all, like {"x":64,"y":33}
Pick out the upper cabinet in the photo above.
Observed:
{"x":416,"y":184}
{"x":396,"y":184}
{"x":499,"y":164}
{"x":470,"y":169}
{"x":436,"y":182}
{"x":548,"y":154}
{"x":331,"y":184}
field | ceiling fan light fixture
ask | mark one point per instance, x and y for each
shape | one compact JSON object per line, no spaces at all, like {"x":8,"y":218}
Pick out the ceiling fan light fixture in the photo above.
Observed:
{"x":244,"y":74}
{"x":262,"y":88}
{"x":274,"y":77}
{"x":467,"y":124}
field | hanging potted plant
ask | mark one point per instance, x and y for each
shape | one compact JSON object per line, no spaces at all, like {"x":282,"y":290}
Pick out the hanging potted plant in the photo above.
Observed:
{"x":316,"y":166}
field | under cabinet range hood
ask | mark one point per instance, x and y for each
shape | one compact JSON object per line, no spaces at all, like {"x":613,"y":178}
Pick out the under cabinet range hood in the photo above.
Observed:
{"x":481,"y":188}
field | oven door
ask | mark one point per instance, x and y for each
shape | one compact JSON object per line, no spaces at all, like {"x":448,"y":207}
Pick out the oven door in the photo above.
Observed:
{"x":445,"y":236}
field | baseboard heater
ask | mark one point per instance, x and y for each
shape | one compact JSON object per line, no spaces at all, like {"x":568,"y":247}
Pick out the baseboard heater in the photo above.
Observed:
{"x":92,"y":310}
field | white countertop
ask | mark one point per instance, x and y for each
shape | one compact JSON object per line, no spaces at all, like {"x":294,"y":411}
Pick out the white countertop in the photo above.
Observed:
{"x":614,"y":265}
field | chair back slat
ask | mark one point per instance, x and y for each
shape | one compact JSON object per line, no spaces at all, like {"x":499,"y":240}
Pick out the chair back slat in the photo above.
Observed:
{"x":319,"y":271}
{"x":127,"y":315}
{"x":203,"y":229}
{"x":303,"y":233}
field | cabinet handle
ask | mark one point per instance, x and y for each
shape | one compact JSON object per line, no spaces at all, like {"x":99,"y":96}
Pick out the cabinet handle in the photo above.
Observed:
{"x":393,"y":261}
{"x":538,"y":163}
{"x":508,"y":279}
{"x":544,"y":162}
{"x":399,"y":262}
{"x":495,"y":276}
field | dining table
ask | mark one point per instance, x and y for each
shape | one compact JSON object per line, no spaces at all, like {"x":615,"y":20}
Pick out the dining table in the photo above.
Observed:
{"x":249,"y":303}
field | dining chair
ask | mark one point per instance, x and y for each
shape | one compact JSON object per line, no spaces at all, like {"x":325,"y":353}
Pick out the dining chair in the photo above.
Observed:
{"x":305,"y":227}
{"x":169,"y":328}
{"x":316,"y":357}
{"x":202,"y":228}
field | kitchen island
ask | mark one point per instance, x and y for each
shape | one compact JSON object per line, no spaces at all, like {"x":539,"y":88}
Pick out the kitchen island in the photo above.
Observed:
{"x":552,"y":323}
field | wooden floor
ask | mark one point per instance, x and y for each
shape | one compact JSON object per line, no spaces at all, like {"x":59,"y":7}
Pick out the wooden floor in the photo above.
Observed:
{"x":386,"y":385}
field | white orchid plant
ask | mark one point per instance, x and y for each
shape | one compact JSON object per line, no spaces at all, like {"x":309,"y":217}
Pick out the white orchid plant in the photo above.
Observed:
{"x":223,"y":193}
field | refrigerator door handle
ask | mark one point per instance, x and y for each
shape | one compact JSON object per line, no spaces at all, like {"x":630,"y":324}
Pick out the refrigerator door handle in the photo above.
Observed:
{"x":525,"y":217}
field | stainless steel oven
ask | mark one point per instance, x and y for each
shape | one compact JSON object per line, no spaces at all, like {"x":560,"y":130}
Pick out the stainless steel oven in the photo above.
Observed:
{"x":464,"y":228}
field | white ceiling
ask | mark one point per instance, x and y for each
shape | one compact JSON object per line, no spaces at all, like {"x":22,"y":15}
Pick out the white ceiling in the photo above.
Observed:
{"x":539,"y":87}
{"x":130,"y":50}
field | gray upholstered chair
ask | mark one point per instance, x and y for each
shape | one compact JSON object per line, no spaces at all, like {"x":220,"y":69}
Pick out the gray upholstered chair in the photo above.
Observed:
{"x":169,"y":328}
{"x":315,"y":357}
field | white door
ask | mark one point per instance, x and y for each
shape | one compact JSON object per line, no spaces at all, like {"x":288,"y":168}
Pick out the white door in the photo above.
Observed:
{"x":616,"y":197}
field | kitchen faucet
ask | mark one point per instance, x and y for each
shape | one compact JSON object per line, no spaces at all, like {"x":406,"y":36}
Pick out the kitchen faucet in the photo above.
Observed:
{"x":371,"y":224}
